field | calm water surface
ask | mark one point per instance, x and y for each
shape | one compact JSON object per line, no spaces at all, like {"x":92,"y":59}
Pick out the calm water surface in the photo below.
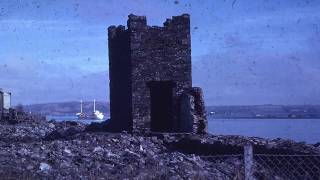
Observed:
{"x":307,"y":130}
{"x":72,"y":118}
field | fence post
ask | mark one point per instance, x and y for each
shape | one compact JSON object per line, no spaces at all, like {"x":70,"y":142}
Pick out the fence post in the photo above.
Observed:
{"x":248,"y":162}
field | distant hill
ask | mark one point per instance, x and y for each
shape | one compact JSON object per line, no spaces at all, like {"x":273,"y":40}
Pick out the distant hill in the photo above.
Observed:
{"x":255,"y":111}
{"x":66,"y":108}
{"x":265,"y":111}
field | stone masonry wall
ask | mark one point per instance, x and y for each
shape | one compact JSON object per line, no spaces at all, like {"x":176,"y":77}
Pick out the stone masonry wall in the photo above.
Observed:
{"x":120,"y":79}
{"x":192,"y":111}
{"x":1,"y":104}
{"x":142,"y":57}
{"x":158,"y":54}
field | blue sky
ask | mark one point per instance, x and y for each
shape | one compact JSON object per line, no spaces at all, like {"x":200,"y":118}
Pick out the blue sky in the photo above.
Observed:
{"x":243,"y":51}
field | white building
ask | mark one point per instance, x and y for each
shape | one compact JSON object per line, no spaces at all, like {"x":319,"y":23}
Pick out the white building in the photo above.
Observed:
{"x":5,"y":102}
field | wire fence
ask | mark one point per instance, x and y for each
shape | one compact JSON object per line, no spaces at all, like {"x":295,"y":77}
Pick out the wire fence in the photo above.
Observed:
{"x":250,"y":166}
{"x":287,"y":166}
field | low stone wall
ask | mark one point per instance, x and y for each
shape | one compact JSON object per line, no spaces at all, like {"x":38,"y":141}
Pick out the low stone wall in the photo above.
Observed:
{"x":192,"y":111}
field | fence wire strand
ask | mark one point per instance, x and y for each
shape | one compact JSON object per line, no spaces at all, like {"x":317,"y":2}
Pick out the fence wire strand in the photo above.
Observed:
{"x":269,"y":166}
{"x":287,"y":166}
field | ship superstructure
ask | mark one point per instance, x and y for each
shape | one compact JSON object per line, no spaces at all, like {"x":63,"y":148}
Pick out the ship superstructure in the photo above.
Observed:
{"x":96,"y":115}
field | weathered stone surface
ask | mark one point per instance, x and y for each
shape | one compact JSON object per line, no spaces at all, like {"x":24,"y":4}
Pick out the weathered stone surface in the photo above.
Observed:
{"x":192,"y":111}
{"x":150,"y":67}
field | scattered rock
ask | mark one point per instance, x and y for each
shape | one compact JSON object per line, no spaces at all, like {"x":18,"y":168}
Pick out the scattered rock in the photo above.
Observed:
{"x":30,"y":167}
{"x":97,"y":149}
{"x":67,"y":151}
{"x":44,"y":167}
{"x":141,"y":149}
{"x":51,"y":125}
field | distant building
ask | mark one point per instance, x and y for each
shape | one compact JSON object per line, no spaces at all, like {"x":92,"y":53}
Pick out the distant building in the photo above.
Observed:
{"x":150,"y":78}
{"x":5,"y":103}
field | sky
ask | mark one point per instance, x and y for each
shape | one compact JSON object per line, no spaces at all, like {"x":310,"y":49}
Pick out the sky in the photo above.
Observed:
{"x":244,"y":52}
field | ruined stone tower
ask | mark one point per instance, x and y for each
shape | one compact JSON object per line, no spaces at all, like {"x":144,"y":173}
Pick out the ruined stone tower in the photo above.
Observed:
{"x":150,"y":77}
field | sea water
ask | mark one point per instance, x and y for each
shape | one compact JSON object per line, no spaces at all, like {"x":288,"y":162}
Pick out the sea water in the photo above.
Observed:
{"x":307,"y":130}
{"x":72,"y":118}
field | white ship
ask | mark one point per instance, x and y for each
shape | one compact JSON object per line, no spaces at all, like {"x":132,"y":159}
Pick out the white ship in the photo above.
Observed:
{"x":81,"y":114}
{"x":96,"y":115}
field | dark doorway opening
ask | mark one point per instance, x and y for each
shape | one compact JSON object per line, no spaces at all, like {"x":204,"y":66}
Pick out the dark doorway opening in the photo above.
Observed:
{"x":161,"y":105}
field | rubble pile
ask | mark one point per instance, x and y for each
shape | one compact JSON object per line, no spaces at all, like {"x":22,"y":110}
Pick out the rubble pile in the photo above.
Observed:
{"x":230,"y":144}
{"x":65,"y":150}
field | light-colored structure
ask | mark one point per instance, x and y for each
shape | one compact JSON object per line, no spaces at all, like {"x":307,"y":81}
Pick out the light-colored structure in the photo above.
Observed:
{"x":5,"y":103}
